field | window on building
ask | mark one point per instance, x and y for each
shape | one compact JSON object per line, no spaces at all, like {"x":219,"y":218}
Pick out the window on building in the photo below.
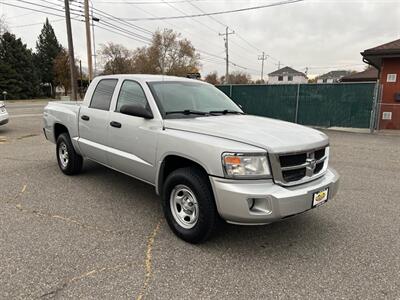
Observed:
{"x":391,"y":77}
{"x":325,"y":80}
{"x":280,"y":78}
{"x":103,"y":93}
{"x":290,"y":78}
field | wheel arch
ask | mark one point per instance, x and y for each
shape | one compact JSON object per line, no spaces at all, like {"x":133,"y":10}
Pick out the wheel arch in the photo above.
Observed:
{"x":59,"y":129}
{"x":173,"y":162}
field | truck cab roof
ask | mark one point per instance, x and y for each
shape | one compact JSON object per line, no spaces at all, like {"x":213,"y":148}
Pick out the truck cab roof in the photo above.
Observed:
{"x":147,"y":77}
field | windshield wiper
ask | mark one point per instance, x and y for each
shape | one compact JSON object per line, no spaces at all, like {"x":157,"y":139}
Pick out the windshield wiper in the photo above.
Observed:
{"x":187,"y":112}
{"x":226,"y":111}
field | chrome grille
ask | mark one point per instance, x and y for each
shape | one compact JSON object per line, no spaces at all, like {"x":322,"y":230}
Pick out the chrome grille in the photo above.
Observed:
{"x":299,"y":167}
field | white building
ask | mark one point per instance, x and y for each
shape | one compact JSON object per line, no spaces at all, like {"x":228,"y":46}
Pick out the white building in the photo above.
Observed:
{"x":332,"y":76}
{"x":287,"y":75}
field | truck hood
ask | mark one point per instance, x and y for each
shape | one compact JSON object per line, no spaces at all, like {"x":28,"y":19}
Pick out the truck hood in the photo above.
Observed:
{"x":269,"y":134}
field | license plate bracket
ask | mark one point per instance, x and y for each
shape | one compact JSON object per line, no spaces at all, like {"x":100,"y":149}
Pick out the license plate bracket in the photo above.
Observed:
{"x":320,"y":197}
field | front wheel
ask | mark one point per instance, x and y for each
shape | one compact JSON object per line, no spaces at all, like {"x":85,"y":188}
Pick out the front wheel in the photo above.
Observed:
{"x":68,"y":160}
{"x":189,"y":205}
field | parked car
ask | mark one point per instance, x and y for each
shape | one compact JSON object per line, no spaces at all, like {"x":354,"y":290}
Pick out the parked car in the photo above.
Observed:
{"x":3,"y":114}
{"x":205,"y":157}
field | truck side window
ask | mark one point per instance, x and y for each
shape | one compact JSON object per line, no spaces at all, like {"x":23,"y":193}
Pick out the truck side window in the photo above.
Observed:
{"x":131,"y":93}
{"x":103,"y":93}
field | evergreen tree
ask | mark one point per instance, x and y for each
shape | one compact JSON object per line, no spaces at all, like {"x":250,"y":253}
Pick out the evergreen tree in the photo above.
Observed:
{"x":17,"y":73}
{"x":47,"y":49}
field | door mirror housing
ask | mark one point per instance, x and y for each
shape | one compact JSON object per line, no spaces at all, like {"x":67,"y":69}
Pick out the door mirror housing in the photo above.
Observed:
{"x":136,"y":110}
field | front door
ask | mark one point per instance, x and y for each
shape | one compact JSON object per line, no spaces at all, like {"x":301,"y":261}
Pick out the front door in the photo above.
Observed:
{"x":132,"y":140}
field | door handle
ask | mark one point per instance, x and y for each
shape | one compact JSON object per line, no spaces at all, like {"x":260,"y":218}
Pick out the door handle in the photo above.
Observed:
{"x":85,"y":118}
{"x":115,"y":124}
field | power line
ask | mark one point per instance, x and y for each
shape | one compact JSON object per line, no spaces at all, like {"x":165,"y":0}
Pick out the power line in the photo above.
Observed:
{"x":219,"y":22}
{"x":197,"y":49}
{"x":248,"y":43}
{"x":32,"y":9}
{"x":39,"y":5}
{"x":126,"y":31}
{"x":122,"y":34}
{"x":216,"y":13}
{"x":121,"y":22}
{"x":38,"y":23}
{"x":143,"y":2}
{"x":201,"y":23}
{"x":18,"y":16}
{"x":116,"y":19}
{"x":185,"y":14}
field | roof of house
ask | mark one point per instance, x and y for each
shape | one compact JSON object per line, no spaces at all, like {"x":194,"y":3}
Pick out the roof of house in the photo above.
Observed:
{"x":374,"y":56}
{"x":371,"y":74}
{"x":286,"y":71}
{"x":334,"y":74}
{"x":388,"y":48}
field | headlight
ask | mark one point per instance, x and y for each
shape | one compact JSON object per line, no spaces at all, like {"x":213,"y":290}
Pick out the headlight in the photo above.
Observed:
{"x":246,"y":165}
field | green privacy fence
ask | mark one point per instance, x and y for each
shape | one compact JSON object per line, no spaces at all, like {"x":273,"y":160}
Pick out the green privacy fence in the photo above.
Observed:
{"x":327,"y":105}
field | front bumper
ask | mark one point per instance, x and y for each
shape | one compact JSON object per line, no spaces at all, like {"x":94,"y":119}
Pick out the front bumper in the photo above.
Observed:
{"x":255,"y":202}
{"x":3,"y":118}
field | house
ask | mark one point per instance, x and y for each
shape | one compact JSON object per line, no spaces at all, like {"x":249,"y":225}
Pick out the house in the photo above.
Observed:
{"x":386,"y":58}
{"x":368,"y":75}
{"x":287,"y":75}
{"x":332,"y":76}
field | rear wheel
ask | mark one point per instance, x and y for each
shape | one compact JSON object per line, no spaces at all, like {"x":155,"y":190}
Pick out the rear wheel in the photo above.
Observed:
{"x":68,"y":160}
{"x":188,"y":205}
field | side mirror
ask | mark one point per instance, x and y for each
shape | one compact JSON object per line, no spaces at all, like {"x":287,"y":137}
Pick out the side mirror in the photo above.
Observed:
{"x":137,"y":111}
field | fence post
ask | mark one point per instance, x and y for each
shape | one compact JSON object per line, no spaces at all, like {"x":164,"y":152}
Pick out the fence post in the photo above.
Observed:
{"x":297,"y":103}
{"x":374,"y":111}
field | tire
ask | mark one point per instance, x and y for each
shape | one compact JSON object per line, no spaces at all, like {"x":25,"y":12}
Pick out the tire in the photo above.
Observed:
{"x":193,"y":185}
{"x":69,"y":161}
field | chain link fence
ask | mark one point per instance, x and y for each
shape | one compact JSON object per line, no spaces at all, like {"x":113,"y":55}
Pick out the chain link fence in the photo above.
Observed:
{"x":325,"y":105}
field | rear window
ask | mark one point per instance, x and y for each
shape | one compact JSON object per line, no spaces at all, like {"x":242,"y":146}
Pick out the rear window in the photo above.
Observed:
{"x":103,"y":93}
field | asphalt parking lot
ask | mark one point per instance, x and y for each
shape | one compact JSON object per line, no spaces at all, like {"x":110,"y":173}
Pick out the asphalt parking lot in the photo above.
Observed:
{"x":101,"y":235}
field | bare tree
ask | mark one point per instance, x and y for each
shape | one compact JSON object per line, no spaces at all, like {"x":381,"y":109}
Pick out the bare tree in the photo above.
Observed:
{"x":116,"y":59}
{"x":238,"y":77}
{"x":168,"y":54}
{"x":62,"y":70}
{"x":212,"y":78}
{"x":3,"y":25}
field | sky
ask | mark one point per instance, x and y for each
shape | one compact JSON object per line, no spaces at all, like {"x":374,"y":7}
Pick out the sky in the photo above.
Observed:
{"x":313,"y":35}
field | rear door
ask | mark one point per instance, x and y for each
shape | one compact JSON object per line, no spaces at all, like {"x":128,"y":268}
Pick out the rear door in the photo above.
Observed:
{"x":133,"y":140}
{"x":94,"y":121}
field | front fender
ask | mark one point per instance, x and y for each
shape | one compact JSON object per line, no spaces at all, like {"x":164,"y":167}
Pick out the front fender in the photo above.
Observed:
{"x":202,"y":149}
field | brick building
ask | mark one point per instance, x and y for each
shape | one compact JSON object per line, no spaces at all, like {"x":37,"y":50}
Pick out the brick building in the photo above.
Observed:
{"x":386,"y":58}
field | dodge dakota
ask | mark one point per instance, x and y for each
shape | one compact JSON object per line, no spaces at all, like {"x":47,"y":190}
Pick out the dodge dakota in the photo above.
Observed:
{"x":206,"y":158}
{"x":3,"y":114}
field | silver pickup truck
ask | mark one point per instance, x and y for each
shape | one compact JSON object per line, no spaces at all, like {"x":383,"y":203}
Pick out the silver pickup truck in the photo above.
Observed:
{"x":205,"y":157}
{"x":3,"y":114}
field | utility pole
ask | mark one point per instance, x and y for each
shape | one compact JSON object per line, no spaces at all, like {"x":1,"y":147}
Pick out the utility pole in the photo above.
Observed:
{"x":71,"y":52}
{"x":88,"y":40}
{"x":279,"y":65}
{"x":94,"y":19}
{"x":263,"y":58}
{"x":81,"y":79}
{"x":226,"y":34}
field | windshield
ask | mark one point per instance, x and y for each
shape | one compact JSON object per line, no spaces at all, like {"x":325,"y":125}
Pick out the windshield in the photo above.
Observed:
{"x":176,"y":98}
